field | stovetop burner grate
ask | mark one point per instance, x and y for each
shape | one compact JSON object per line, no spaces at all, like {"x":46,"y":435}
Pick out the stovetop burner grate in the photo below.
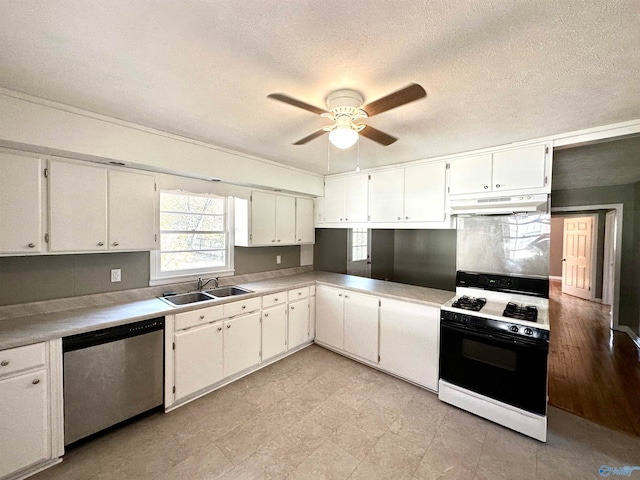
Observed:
{"x":521,"y":312}
{"x":469,"y":303}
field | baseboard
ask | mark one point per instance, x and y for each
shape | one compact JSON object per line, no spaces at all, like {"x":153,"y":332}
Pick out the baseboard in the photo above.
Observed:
{"x":555,"y":279}
{"x":631,"y":333}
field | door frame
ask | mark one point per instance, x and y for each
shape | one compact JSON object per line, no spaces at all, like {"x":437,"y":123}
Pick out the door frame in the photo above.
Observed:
{"x":609,"y":254}
{"x":593,"y":254}
{"x":618,"y":207}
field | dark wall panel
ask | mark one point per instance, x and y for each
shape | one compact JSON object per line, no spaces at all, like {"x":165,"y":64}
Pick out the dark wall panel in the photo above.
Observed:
{"x":382,"y":254}
{"x":330,"y":250}
{"x":263,"y":259}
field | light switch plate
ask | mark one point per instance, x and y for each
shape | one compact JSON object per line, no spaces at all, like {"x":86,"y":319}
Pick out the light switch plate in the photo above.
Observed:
{"x":116,"y":275}
{"x":278,"y":259}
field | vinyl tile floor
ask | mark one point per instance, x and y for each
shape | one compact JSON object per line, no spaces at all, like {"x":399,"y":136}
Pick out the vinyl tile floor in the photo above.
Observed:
{"x":318,"y":415}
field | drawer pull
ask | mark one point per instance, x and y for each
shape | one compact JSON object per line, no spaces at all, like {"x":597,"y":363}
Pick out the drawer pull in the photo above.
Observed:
{"x":32,"y":245}
{"x":228,"y":326}
{"x":115,"y":244}
{"x":266,"y":314}
{"x":275,"y":300}
{"x":292,"y":308}
{"x":4,"y":363}
{"x":201,"y":317}
{"x":100,"y":244}
{"x":219,"y":328}
{"x":36,"y":381}
{"x":244,"y":306}
{"x":299,"y":293}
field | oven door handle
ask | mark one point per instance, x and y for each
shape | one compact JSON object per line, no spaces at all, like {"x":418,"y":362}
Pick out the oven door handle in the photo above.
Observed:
{"x":498,"y":336}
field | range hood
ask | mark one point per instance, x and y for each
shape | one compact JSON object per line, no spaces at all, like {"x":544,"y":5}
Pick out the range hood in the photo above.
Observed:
{"x":503,"y":205}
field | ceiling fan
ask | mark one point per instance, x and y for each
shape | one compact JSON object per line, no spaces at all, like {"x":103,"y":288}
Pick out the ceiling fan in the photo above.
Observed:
{"x":345,"y":107}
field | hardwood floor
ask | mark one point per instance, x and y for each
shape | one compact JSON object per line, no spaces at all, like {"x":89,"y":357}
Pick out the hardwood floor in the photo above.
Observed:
{"x":594,"y":372}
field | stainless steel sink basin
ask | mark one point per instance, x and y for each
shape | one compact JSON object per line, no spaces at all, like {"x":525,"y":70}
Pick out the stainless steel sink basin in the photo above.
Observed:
{"x":187,"y":298}
{"x":227,"y":291}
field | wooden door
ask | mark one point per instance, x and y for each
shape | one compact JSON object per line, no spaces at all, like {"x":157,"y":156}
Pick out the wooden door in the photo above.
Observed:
{"x":305,"y":232}
{"x":24,"y":416}
{"x":20,"y":204}
{"x":197,"y":358}
{"x":470,"y":175}
{"x":298,"y":323}
{"x":285,"y":220}
{"x":329,"y":316}
{"x":263,"y":218}
{"x":386,"y":195}
{"x":361,"y":325}
{"x":274,"y":331}
{"x":131,"y":210}
{"x":576,"y":256}
{"x":241,"y":343}
{"x":77,"y":207}
{"x":425,"y":192}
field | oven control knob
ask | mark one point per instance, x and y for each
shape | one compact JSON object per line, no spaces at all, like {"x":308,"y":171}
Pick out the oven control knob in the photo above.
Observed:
{"x":513,"y":328}
{"x":528,"y":331}
{"x":456,"y":316}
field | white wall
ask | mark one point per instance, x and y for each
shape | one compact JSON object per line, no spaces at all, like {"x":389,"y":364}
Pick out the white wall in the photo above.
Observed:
{"x":40,"y":126}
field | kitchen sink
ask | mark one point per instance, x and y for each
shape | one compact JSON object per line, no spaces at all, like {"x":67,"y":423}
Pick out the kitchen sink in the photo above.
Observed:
{"x":187,"y":298}
{"x":227,"y":291}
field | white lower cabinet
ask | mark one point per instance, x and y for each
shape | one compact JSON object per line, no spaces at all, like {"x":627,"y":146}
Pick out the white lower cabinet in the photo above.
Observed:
{"x":312,"y":312}
{"x":241,"y":343}
{"x":30,"y":408}
{"x":274,"y":331}
{"x":298,"y":323}
{"x":198,"y":358}
{"x":347,"y":321}
{"x":409,"y":341}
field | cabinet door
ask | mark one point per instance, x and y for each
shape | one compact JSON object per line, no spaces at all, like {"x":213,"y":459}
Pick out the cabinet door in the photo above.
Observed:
{"x":77,"y":207}
{"x":409,"y":339}
{"x":312,"y":317}
{"x":263,"y":218}
{"x":274,"y":331}
{"x":334,"y":200}
{"x":329,"y":316}
{"x":305,"y":232}
{"x":25,"y":421}
{"x":470,"y":175}
{"x":198,"y":358}
{"x":241,"y":343}
{"x":298,"y":323}
{"x":356,"y":198}
{"x":386,"y":199}
{"x":361,"y":325}
{"x":20,"y":204}
{"x":285,"y":220}
{"x":425,"y":192}
{"x":519,"y":169}
{"x":131,"y":210}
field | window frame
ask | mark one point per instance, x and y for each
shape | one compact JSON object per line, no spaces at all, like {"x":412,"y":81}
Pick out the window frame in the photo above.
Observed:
{"x":158,"y":277}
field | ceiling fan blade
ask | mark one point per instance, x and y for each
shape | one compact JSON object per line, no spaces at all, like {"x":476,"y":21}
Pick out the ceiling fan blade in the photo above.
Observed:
{"x":408,"y":94}
{"x":377,"y":135}
{"x":281,"y":97}
{"x":308,"y":138}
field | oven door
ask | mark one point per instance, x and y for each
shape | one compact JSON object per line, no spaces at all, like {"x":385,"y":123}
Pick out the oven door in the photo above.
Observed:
{"x":510,"y":369}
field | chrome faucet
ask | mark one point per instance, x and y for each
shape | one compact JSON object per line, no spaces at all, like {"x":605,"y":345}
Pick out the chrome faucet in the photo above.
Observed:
{"x":202,"y":285}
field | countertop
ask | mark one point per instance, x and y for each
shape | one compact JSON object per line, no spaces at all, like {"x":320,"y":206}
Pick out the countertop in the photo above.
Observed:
{"x":15,"y":332}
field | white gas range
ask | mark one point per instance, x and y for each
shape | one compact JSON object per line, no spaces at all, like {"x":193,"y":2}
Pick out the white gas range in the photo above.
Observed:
{"x":494,"y":343}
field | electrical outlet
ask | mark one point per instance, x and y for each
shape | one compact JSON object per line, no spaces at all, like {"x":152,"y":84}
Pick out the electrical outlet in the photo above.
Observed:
{"x":278,"y":259}
{"x":116,"y":275}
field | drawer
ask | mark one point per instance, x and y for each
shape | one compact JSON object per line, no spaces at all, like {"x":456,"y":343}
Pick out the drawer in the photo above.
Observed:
{"x":244,"y":306}
{"x":22,"y":358}
{"x":298,"y":294}
{"x":274,"y":299}
{"x":198,"y":317}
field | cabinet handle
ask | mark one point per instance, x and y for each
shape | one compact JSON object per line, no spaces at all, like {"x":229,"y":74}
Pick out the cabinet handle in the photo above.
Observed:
{"x":36,"y":381}
{"x":276,"y":300}
{"x":273,"y":240}
{"x":115,"y":244}
{"x":244,"y":306}
{"x":497,"y":185}
{"x":339,"y":294}
{"x":278,"y":239}
{"x":266,"y":314}
{"x":486,"y":186}
{"x":346,"y":219}
{"x":346,"y":296}
{"x":299,"y":239}
{"x":340,"y":219}
{"x":100,"y":244}
{"x":219,"y":328}
{"x":406,"y":218}
{"x":228,"y":326}
{"x":299,"y":293}
{"x":201,"y":317}
{"x":4,"y":363}
{"x":32,"y":245}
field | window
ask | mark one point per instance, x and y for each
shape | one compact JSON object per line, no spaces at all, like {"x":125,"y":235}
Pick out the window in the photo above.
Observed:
{"x":359,"y":237}
{"x":194,"y":235}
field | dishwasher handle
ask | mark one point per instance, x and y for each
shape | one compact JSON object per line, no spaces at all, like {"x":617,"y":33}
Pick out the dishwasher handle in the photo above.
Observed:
{"x":112,"y":334}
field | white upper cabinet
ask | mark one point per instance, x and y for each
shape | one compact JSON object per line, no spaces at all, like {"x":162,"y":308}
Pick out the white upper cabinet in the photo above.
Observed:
{"x":77,"y":207}
{"x":305,"y":231}
{"x":270,"y":219}
{"x":386,"y":199}
{"x":519,"y":169}
{"x":92,"y":208}
{"x":132,"y":210}
{"x":345,"y":199}
{"x":20,"y":204}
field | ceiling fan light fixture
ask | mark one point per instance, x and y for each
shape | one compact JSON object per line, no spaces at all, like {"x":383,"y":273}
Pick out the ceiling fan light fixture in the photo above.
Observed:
{"x":343,"y":137}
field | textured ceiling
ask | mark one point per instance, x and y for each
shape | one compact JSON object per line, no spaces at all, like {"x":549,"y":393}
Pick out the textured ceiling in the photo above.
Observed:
{"x":603,"y":164}
{"x":495,"y":71}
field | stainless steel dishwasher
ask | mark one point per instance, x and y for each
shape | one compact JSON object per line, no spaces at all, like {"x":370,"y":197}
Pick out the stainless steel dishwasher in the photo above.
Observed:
{"x":111,"y":375}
